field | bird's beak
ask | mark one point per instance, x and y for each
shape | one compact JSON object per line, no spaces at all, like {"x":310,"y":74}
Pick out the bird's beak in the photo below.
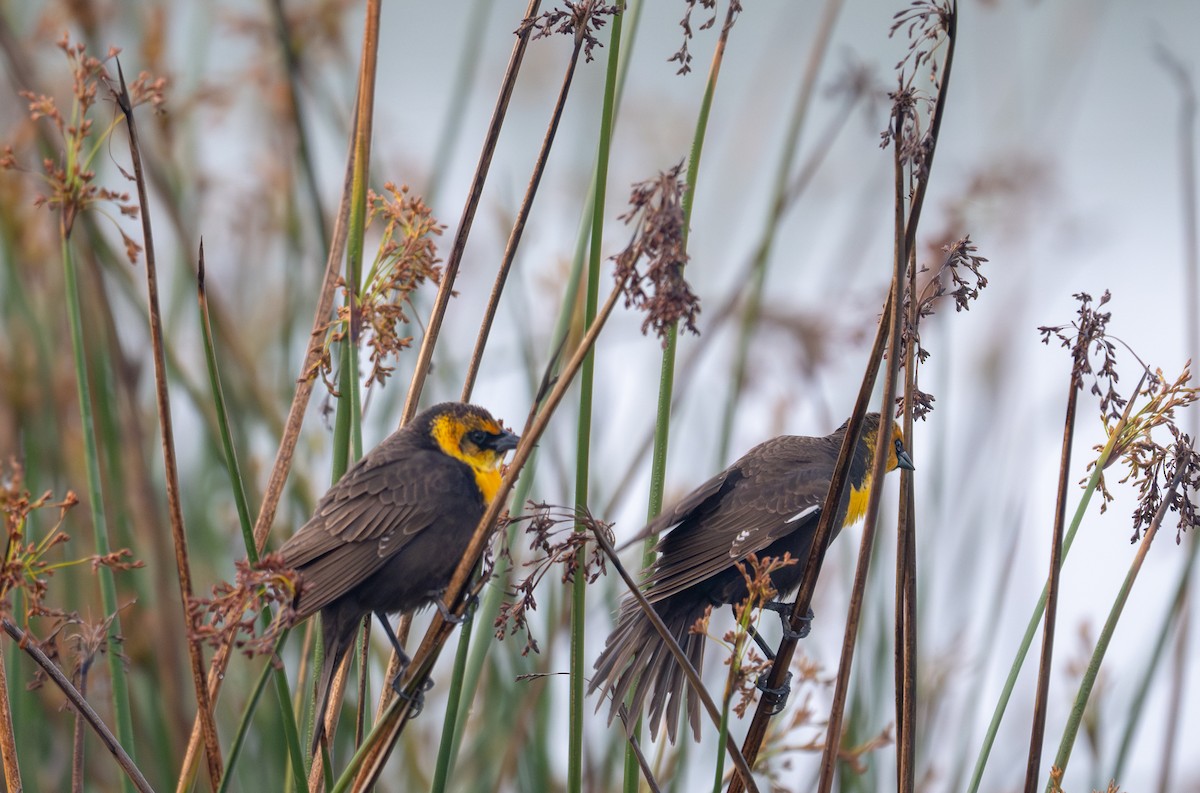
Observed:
{"x":904,"y":461}
{"x":506,"y":441}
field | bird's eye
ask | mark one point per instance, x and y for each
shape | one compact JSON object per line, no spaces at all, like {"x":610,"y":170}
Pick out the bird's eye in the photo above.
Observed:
{"x":477,"y":437}
{"x":899,"y":446}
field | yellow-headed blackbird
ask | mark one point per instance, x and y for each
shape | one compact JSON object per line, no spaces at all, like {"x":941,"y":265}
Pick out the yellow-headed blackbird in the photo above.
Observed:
{"x":767,"y":503}
{"x":388,"y":536}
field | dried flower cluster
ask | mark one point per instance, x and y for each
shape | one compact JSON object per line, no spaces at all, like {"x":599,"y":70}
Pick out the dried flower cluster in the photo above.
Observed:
{"x":578,"y":18}
{"x":227,"y":619}
{"x":682,"y":56}
{"x":928,"y":24}
{"x":555,"y":539}
{"x":25,"y":566}
{"x":406,"y":259}
{"x":1089,"y":339}
{"x":86,"y":641}
{"x":659,"y":237}
{"x":1161,"y":472}
{"x":70,"y":179}
{"x":958,"y":277}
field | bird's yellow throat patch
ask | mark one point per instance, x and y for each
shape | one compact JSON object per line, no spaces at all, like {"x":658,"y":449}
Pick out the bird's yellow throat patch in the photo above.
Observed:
{"x":488,"y":481}
{"x":448,"y":431}
{"x":858,"y":502}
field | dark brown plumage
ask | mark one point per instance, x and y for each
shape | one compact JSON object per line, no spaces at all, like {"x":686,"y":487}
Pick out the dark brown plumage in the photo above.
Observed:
{"x":387,"y":537}
{"x":767,"y":503}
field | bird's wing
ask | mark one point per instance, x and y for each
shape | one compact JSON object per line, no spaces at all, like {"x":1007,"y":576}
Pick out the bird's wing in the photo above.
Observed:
{"x":688,"y":505}
{"x":775,"y":489}
{"x":369,"y":515}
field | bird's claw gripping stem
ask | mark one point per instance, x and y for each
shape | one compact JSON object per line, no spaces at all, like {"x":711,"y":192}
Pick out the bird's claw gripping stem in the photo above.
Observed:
{"x":774,"y":699}
{"x":784,"y":610}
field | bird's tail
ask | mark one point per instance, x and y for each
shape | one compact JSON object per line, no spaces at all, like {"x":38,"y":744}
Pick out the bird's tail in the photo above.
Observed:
{"x":337,"y":635}
{"x":637,"y":659}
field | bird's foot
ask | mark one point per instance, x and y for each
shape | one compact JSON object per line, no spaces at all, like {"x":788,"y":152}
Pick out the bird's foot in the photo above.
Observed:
{"x":416,"y":701}
{"x":774,"y":699}
{"x":784,"y":610}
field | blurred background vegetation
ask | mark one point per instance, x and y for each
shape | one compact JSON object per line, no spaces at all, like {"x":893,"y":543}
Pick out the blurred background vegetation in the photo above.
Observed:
{"x":1065,"y":155}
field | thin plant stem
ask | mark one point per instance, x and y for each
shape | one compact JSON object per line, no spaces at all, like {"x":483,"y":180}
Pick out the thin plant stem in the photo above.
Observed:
{"x":291,"y":70}
{"x":243,"y":728}
{"x":347,"y":436}
{"x":454,"y":697}
{"x":449,"y":728}
{"x":883,"y":441}
{"x":454,"y":259}
{"x":514,"y":237}
{"x":212,"y":748}
{"x":1041,"y":698}
{"x":287,"y":715}
{"x":1179,"y":670}
{"x":108,"y":588}
{"x":8,"y":742}
{"x":1110,"y":625}
{"x":906,"y":572}
{"x":1031,"y":629}
{"x":584,"y":435}
{"x":1157,"y":655}
{"x":662,"y":423}
{"x":1191,"y":279}
{"x":781,"y":198}
{"x":489,"y":606}
{"x":133,"y":774}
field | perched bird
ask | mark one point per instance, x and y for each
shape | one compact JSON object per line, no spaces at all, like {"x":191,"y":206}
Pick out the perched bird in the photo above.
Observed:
{"x":388,"y":536}
{"x":767,"y":503}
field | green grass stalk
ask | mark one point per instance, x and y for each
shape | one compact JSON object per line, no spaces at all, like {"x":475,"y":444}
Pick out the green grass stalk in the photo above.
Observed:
{"x":239,"y":738}
{"x":586,"y":380}
{"x":1110,"y":626}
{"x":1157,"y":656}
{"x":108,"y":587}
{"x":781,"y":198}
{"x":241,"y":503}
{"x":1035,"y":619}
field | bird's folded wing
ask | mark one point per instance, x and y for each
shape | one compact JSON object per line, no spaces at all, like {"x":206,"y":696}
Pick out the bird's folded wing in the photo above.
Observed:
{"x":776,"y":489}
{"x":370,"y":515}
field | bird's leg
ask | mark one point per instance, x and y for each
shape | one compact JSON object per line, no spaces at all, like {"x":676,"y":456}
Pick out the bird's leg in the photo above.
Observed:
{"x":449,"y":616}
{"x":418,"y":701}
{"x":775,"y":698}
{"x":761,"y":642}
{"x":784,"y":610}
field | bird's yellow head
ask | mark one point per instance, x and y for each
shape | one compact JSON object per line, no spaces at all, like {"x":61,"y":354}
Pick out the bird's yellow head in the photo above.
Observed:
{"x":897,"y":458}
{"x":470,"y":434}
{"x":897,"y":455}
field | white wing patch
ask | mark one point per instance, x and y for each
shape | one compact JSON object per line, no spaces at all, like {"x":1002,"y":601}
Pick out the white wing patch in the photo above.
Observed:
{"x":804,"y":513}
{"x":739,"y":542}
{"x":385,"y":542}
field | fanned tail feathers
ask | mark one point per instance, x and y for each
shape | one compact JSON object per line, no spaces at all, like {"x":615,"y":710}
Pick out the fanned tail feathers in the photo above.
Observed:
{"x":637,"y":659}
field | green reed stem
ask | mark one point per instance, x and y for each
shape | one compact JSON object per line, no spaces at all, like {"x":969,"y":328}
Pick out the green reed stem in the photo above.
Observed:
{"x":108,"y":587}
